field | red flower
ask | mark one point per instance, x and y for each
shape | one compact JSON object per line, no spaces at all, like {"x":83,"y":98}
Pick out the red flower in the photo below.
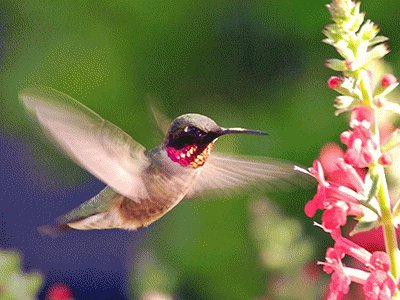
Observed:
{"x":340,"y":282}
{"x":59,"y":291}
{"x":334,"y":82}
{"x":380,"y":261}
{"x":360,"y":115}
{"x":336,"y":199}
{"x":380,"y":285}
{"x":339,"y":286}
{"x":385,"y":159}
{"x":371,"y":240}
{"x":335,"y":216}
{"x":361,"y":142}
{"x":352,"y":249}
{"x":388,"y":79}
{"x":328,"y":156}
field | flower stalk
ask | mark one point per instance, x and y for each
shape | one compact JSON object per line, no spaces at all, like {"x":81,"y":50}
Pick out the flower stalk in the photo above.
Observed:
{"x":387,"y":223}
{"x":358,"y":186}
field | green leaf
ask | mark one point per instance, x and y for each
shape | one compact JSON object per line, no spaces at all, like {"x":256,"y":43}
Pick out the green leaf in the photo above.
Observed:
{"x":377,"y":40}
{"x":14,"y":284}
{"x":364,"y":226}
{"x":336,"y":64}
{"x":374,"y":187}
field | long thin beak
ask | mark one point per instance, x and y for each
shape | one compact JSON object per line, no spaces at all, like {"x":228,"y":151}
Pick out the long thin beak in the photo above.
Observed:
{"x":237,"y":130}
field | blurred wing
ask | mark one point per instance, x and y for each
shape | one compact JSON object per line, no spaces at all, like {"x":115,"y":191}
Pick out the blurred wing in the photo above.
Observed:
{"x":223,"y":174}
{"x":95,"y":144}
{"x":162,"y":121}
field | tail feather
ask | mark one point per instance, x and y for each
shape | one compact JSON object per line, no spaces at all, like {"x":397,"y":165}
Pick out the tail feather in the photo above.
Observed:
{"x":54,"y":230}
{"x":82,"y":216}
{"x":108,"y":210}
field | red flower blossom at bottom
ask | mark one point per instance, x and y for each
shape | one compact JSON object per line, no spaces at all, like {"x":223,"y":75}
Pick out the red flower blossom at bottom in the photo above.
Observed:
{"x":378,"y":283}
{"x":59,"y":291}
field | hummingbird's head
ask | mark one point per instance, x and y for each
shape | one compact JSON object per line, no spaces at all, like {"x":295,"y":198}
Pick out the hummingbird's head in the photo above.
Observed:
{"x":191,"y":137}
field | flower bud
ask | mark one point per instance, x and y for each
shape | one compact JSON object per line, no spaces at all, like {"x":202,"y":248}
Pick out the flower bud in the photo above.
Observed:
{"x":377,"y":40}
{"x":336,"y":64}
{"x":388,"y":84}
{"x":343,"y":103}
{"x":334,"y":82}
{"x":345,"y":136}
{"x":385,"y":159}
{"x":388,"y":79}
{"x":368,"y":31}
{"x":377,"y":52}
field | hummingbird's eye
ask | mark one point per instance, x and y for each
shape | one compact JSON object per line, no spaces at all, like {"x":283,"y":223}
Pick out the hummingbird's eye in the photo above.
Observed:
{"x":193,"y":131}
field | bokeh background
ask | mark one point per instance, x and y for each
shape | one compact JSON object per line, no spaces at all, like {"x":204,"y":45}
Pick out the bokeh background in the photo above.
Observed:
{"x":255,"y":64}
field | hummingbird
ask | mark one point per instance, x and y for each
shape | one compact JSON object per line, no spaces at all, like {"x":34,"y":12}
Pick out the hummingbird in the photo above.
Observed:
{"x":143,"y":185}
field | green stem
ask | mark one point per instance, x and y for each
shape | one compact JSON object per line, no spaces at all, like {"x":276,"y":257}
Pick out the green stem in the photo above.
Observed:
{"x":365,"y":88}
{"x":387,"y":222}
{"x":383,"y":192}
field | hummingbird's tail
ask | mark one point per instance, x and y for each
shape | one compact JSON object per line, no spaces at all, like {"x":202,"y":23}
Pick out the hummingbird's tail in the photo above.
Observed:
{"x":84,"y":215}
{"x":53,"y":230}
{"x":106,"y":210}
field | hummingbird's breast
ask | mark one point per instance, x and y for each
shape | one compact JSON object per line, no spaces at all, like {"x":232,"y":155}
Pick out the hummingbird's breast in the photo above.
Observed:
{"x":166,"y":179}
{"x":191,"y":155}
{"x":166,"y":182}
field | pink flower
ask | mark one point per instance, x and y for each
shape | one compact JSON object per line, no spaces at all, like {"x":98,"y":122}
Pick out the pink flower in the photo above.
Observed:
{"x":335,"y":215}
{"x":388,"y":79}
{"x":352,"y":249}
{"x":340,"y":281}
{"x":59,"y":291}
{"x":371,"y":240}
{"x":361,"y":115}
{"x":361,"y":142}
{"x":328,"y":155}
{"x":339,"y":286}
{"x":334,"y":82}
{"x":342,"y":276}
{"x":385,"y":159}
{"x":378,"y":283}
{"x":380,"y":261}
{"x":348,"y":176}
{"x":329,"y":158}
{"x":338,"y":199}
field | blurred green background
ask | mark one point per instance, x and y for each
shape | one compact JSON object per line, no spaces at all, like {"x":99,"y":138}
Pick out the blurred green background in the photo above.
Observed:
{"x":255,"y":64}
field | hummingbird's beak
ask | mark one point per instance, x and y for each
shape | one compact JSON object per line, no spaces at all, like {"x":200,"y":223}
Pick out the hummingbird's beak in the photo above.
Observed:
{"x":237,"y":130}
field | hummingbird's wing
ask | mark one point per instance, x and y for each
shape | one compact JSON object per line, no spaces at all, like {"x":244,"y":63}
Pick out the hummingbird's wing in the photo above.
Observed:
{"x":223,"y":174}
{"x":95,"y":144}
{"x":161,"y":120}
{"x":85,"y":215}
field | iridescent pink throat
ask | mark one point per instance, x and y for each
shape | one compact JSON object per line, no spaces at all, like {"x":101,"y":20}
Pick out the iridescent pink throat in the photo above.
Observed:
{"x":190,"y":155}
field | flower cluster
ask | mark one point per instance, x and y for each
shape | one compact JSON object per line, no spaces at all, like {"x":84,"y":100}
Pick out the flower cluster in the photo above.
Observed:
{"x":352,"y":183}
{"x":362,"y":147}
{"x":339,"y":197}
{"x":376,"y":279}
{"x":358,"y":43}
{"x":346,"y":191}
